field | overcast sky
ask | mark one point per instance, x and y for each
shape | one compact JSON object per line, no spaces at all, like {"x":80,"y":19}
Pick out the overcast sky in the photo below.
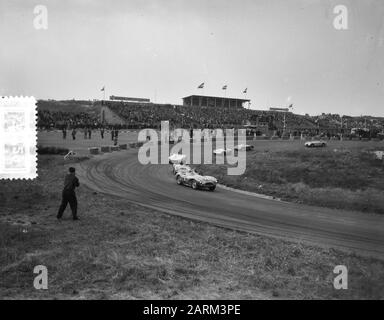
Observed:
{"x":283,"y":51}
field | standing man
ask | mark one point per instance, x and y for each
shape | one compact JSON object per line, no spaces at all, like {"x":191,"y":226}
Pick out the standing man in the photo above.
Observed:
{"x":89,"y":133}
{"x":102,"y":132}
{"x":115,"y":140}
{"x":73,"y":134}
{"x":64,"y":130}
{"x":69,"y":195}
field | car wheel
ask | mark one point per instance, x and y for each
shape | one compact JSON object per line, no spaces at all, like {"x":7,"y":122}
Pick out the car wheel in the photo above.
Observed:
{"x":179,"y":180}
{"x":212,"y":188}
{"x":194,"y":185}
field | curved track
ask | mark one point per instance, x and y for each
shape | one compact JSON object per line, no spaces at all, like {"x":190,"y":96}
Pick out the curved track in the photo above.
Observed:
{"x":154,"y":186}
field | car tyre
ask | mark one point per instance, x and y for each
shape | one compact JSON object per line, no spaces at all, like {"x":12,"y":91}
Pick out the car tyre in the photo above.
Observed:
{"x":179,"y":180}
{"x":194,"y":185}
{"x":212,"y":188}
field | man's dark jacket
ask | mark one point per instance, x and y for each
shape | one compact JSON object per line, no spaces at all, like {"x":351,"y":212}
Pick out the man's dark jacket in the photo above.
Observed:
{"x":70,"y":183}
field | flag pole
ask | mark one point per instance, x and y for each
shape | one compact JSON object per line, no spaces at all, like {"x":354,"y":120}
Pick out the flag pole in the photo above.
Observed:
{"x":103,"y":89}
{"x":201,"y":86}
{"x":245,"y":92}
{"x":245,"y":97}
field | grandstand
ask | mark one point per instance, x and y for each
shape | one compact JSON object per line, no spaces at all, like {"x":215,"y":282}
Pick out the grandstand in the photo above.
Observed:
{"x":214,"y":102}
{"x":190,"y":115}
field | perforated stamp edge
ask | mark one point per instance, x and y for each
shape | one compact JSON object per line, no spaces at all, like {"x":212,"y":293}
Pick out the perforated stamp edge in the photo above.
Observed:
{"x":18,"y":138}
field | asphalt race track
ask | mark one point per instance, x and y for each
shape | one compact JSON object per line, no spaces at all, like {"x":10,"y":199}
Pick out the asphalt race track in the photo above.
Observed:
{"x":154,"y":186}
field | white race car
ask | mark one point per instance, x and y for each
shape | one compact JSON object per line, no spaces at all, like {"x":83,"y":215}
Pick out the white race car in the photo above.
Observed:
{"x":180,"y":167}
{"x":315,"y":143}
{"x":196,"y":181}
{"x":177,"y":158}
{"x":244,"y":147}
{"x":221,"y":152}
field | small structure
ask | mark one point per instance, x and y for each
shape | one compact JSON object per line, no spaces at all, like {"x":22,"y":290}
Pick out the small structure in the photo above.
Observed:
{"x":106,"y":149}
{"x":129,"y":99}
{"x":94,"y":150}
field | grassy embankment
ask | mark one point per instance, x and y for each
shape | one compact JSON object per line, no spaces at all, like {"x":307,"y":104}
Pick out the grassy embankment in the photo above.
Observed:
{"x":120,"y":250}
{"x":343,"y":175}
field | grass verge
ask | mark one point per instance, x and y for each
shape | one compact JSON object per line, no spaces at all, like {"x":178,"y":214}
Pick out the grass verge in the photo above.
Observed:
{"x":337,"y":178}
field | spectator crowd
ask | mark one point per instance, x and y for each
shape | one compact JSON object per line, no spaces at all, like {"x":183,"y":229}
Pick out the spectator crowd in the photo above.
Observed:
{"x":148,"y":115}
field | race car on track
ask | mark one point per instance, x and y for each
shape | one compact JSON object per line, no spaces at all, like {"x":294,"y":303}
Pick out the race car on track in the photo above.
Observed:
{"x":177,"y":158}
{"x":246,"y":147}
{"x":196,"y":181}
{"x":221,"y":152}
{"x":180,"y":168}
{"x":314,"y":144}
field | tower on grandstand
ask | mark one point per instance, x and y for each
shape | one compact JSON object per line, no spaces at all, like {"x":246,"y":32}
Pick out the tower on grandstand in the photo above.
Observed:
{"x":214,"y":102}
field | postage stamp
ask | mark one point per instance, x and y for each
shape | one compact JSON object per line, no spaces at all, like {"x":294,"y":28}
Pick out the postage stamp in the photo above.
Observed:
{"x":18,"y":153}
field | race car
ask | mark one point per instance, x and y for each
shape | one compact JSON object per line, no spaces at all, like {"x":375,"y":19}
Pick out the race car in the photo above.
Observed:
{"x":180,"y":167}
{"x":177,"y":158}
{"x":221,"y":152}
{"x":246,"y":147}
{"x":196,"y":181}
{"x":316,"y":143}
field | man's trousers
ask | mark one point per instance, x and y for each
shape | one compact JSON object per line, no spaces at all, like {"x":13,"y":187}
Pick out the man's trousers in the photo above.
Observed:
{"x":68,"y":197}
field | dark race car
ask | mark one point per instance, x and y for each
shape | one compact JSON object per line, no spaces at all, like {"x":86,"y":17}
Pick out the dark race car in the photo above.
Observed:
{"x":196,"y":181}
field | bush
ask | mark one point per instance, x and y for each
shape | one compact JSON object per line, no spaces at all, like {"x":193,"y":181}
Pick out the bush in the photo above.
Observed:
{"x":51,"y":150}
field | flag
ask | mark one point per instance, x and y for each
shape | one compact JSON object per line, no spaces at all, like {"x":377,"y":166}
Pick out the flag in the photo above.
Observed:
{"x":225,"y":87}
{"x":245,"y":90}
{"x":201,"y":86}
{"x":103,"y":89}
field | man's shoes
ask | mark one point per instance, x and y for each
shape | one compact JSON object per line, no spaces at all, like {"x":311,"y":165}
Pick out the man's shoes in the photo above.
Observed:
{"x":76,"y":218}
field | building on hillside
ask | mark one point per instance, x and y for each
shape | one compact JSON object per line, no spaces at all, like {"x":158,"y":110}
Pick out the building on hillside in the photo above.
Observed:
{"x":279,"y":109}
{"x":211,"y":101}
{"x":129,"y":99}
